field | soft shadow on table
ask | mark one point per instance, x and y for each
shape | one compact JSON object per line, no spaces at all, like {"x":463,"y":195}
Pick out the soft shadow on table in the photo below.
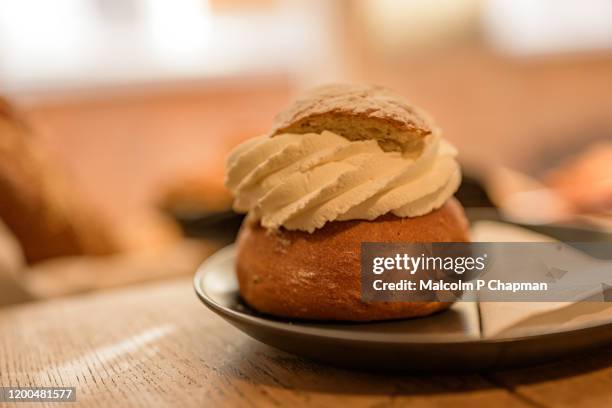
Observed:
{"x":580,"y":364}
{"x":272,"y":368}
{"x":260,"y":363}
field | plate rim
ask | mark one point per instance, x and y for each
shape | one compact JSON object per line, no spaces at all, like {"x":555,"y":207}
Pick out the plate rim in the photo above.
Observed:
{"x":298,"y":327}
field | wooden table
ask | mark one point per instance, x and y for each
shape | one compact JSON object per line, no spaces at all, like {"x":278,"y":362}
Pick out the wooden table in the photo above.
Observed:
{"x":156,"y":345}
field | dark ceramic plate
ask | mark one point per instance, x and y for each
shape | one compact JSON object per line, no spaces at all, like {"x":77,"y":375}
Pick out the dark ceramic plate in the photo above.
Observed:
{"x":448,"y":341}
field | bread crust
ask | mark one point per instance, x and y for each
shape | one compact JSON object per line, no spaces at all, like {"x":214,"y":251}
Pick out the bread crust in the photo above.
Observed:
{"x":358,"y":112}
{"x":317,"y":276}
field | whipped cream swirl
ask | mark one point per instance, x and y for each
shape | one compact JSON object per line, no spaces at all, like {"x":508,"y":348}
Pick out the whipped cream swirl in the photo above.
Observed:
{"x":302,"y":181}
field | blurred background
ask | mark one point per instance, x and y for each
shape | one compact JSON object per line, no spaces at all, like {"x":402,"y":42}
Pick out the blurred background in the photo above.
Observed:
{"x":118,"y":114}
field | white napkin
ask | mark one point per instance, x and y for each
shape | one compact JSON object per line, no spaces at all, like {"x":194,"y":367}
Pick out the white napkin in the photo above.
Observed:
{"x":505,"y":319}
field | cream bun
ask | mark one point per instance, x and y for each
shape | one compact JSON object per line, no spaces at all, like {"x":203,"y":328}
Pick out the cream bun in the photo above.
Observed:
{"x":343,"y":165}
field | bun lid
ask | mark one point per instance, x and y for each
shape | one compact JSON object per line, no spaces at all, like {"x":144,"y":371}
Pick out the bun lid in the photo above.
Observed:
{"x":358,"y":112}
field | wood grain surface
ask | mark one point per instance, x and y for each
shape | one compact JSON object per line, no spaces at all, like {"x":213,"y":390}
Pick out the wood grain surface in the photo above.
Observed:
{"x":156,"y":345}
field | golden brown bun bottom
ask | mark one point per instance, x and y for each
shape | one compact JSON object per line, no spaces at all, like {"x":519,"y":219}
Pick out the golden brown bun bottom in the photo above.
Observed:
{"x":318,"y":276}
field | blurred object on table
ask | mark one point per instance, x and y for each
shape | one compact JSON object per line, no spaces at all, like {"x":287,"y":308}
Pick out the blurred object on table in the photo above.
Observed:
{"x":196,"y":193}
{"x":472,"y":192}
{"x":71,"y":275}
{"x":47,"y":215}
{"x":147,"y":231}
{"x":202,"y":206}
{"x":522,"y":198}
{"x":50,"y":215}
{"x":585,"y":180}
{"x":579,"y":189}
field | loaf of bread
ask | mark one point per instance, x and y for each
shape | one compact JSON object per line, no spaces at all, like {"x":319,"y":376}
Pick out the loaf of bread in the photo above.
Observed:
{"x":46,"y":215}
